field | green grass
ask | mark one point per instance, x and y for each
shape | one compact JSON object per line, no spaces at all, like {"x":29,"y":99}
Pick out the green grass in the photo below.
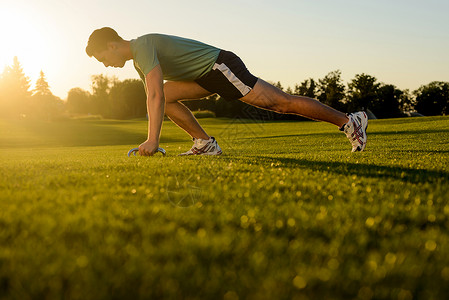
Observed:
{"x":287,"y":212}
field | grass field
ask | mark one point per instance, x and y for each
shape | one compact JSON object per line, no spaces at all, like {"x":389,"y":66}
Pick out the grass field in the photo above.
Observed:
{"x":287,"y":212}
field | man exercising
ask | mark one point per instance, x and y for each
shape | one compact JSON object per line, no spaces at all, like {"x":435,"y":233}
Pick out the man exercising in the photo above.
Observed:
{"x":194,"y":70}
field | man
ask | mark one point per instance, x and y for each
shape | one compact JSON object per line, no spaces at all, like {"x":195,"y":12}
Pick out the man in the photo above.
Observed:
{"x":193,"y":70}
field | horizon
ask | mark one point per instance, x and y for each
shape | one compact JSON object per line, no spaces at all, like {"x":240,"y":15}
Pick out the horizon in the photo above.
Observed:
{"x":402,"y":43}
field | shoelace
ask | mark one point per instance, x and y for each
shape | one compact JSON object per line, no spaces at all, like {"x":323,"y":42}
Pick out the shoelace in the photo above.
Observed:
{"x":195,"y":149}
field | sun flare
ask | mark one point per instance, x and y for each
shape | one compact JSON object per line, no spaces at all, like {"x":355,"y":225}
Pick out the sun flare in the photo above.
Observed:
{"x":23,"y":36}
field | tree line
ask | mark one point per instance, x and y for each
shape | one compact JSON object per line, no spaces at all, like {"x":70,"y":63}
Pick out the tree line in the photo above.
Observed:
{"x":115,"y":99}
{"x":18,"y":100}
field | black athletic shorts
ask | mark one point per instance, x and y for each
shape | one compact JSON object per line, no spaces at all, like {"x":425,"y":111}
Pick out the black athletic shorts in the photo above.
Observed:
{"x":229,"y":77}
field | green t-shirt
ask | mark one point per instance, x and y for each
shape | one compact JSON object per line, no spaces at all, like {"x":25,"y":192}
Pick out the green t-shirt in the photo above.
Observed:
{"x":180,"y":59}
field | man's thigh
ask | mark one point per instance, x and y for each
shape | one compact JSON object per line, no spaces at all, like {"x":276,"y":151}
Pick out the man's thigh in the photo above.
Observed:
{"x":184,"y":90}
{"x":266,"y":96}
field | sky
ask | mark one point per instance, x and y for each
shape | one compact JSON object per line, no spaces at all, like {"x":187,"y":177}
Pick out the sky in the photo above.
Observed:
{"x":400,"y":42}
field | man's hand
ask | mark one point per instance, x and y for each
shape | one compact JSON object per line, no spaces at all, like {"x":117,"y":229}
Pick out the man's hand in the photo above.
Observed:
{"x":148,"y":148}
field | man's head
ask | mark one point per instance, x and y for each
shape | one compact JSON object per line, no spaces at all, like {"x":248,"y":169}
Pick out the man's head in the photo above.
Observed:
{"x":107,"y":47}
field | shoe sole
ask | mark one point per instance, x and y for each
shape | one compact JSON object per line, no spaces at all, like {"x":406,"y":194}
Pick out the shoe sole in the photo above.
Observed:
{"x":210,"y":154}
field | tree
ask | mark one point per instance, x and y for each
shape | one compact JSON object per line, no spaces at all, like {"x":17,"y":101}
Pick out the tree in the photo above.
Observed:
{"x":306,"y":88}
{"x":433,"y":98}
{"x":17,"y":79}
{"x":331,"y":90}
{"x":362,"y":92}
{"x":406,"y":101}
{"x":277,"y":84}
{"x":387,"y":103}
{"x":42,"y":88}
{"x":127,"y":99}
{"x":43,"y":104}
{"x":207,"y":103}
{"x":14,"y":90}
{"x":101,"y":86}
{"x":78,"y":101}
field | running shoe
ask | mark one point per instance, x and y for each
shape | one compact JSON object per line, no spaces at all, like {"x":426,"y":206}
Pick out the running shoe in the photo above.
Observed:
{"x":355,"y":130}
{"x":204,"y":147}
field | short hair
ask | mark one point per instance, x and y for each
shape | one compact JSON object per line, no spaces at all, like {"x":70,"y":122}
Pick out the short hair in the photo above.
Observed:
{"x":99,"y":39}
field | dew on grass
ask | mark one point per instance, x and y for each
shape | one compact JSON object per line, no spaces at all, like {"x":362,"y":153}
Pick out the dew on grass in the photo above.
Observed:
{"x":299,"y":282}
{"x":430,"y":245}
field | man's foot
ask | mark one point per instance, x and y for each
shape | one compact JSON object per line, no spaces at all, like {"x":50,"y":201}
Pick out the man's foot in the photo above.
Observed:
{"x":355,"y":130}
{"x":204,"y":147}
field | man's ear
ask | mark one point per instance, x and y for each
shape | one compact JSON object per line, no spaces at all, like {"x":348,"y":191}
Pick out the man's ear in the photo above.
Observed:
{"x":112,"y":45}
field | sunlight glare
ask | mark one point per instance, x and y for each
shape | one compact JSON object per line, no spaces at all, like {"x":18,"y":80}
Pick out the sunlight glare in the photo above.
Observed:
{"x":25,"y":38}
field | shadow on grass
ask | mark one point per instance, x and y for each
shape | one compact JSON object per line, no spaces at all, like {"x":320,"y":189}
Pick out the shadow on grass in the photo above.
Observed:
{"x":424,"y":151}
{"x":316,"y":134}
{"x":321,"y":134}
{"x":361,"y":170}
{"x":76,"y":133}
{"x":409,"y":132}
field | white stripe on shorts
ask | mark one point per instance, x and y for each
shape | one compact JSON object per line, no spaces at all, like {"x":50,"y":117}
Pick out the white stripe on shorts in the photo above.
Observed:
{"x":243,"y":88}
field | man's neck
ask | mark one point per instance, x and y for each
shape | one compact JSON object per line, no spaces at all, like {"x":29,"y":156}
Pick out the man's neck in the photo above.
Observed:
{"x":126,"y":50}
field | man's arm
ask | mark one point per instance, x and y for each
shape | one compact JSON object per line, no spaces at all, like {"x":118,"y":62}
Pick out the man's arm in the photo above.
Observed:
{"x":156,"y":108}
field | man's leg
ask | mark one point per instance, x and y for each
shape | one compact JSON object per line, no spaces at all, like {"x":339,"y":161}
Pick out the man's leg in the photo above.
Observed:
{"x":266,"y":96}
{"x":179,"y":90}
